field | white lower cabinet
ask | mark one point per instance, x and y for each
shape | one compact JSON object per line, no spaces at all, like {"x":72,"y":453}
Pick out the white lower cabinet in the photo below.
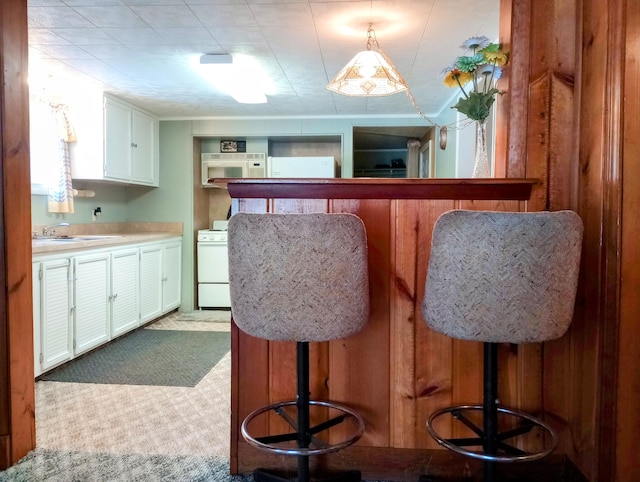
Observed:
{"x":84,"y":300}
{"x":125,"y":291}
{"x":160,"y":283}
{"x":92,"y":311}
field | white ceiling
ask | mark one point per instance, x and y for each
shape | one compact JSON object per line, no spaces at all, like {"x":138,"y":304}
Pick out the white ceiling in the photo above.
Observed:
{"x":141,"y":50}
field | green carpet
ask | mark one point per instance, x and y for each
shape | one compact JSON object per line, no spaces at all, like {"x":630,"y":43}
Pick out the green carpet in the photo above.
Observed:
{"x":167,"y":358}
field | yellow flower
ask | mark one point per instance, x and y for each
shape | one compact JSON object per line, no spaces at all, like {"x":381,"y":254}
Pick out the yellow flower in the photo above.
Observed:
{"x":456,"y":76}
{"x":498,"y":58}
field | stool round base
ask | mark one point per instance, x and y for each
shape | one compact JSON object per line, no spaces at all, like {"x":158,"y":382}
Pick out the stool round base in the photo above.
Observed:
{"x":525,"y":457}
{"x":301,"y":451}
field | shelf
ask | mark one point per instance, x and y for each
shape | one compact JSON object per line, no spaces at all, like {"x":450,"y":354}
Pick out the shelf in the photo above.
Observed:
{"x":391,"y":172}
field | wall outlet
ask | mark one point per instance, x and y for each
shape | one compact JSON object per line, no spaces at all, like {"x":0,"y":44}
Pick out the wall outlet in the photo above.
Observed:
{"x":96,"y":212}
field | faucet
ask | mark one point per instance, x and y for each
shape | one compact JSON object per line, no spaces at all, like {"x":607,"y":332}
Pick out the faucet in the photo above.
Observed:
{"x":45,"y":230}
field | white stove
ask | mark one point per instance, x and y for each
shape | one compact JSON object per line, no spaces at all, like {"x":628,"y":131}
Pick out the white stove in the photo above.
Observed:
{"x":211,"y":235}
{"x":213,"y":267}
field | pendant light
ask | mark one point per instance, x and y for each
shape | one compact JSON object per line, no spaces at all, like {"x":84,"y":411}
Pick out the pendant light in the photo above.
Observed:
{"x":369,"y":73}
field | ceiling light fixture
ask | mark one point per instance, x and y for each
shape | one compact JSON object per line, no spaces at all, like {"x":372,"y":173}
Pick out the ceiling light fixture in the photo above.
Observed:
{"x":239,"y":76}
{"x":369,"y":73}
{"x":216,"y":59}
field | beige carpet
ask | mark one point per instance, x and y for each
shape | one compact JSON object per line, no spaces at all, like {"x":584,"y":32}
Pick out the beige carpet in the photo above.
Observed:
{"x":125,"y":419}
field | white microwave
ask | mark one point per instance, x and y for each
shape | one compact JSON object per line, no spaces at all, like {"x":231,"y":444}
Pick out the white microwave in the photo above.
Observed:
{"x":232,"y":166}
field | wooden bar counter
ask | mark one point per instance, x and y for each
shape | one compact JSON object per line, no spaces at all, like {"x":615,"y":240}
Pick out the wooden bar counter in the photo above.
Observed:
{"x":396,"y":371}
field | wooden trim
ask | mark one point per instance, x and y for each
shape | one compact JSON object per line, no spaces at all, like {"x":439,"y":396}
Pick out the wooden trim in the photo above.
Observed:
{"x":16,"y":308}
{"x":400,"y":464}
{"x":628,"y":381}
{"x":518,"y":99}
{"x":471,"y":189}
{"x":613,"y":125}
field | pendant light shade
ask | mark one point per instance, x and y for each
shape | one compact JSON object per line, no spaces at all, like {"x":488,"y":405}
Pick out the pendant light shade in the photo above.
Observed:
{"x":369,"y":73}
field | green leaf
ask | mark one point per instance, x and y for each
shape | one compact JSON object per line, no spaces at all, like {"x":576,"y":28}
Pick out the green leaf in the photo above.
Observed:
{"x":478,"y":105}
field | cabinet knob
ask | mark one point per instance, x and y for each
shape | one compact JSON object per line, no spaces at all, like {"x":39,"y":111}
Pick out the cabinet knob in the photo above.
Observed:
{"x":133,"y":144}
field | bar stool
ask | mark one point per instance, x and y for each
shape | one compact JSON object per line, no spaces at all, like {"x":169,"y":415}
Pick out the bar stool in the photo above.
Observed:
{"x":500,"y":277}
{"x":302,"y":278}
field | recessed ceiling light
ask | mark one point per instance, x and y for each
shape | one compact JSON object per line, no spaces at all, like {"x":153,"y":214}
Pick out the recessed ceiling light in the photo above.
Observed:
{"x":216,"y":59}
{"x":245,"y":80}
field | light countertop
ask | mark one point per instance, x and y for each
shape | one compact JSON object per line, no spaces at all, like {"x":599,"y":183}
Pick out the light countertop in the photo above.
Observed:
{"x":89,"y":236}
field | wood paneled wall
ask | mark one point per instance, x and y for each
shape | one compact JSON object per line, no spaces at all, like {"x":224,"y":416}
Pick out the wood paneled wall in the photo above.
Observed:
{"x":627,"y":459}
{"x":396,"y":372}
{"x":582,"y":107}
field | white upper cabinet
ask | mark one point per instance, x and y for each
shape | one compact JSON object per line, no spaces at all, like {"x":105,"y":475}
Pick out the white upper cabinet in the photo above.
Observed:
{"x":116,"y":142}
{"x":144,"y":142}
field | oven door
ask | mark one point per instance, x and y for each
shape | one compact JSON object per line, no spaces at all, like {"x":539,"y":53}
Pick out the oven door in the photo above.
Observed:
{"x":213,"y":262}
{"x":213,"y":275}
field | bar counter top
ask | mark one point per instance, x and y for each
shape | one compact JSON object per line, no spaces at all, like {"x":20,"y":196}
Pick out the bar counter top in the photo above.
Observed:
{"x":376,"y":188}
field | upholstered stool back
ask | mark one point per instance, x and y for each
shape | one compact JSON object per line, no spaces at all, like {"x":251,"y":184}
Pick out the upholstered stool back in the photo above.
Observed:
{"x":298,"y":277}
{"x":500,"y":277}
{"x":503,"y":277}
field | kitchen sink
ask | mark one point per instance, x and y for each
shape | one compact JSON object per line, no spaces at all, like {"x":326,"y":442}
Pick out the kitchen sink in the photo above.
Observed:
{"x":71,"y":239}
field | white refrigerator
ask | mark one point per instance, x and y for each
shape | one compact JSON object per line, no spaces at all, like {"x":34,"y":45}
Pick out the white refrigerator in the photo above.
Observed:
{"x":317,"y":166}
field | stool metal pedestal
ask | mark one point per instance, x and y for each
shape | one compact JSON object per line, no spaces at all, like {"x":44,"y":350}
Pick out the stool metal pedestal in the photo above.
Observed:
{"x":304,"y":434}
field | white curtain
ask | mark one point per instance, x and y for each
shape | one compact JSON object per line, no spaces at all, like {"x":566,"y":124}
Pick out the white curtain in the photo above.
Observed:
{"x":60,"y":189}
{"x":413,"y":158}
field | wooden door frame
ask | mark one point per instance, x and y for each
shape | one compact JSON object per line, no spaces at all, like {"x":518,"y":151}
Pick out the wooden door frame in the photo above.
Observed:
{"x":17,"y":397}
{"x":534,"y":121}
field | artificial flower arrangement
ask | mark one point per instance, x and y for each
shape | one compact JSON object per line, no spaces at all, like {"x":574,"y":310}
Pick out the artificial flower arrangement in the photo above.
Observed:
{"x":482,"y":67}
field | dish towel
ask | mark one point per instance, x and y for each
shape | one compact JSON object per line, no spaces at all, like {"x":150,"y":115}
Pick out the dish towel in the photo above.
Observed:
{"x":61,"y":191}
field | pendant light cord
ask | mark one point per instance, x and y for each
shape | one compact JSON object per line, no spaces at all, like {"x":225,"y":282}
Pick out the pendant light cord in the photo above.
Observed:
{"x":457,"y":125}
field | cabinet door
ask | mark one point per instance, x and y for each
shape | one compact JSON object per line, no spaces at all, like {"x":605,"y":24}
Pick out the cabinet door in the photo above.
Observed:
{"x":55,"y":328}
{"x":150,"y":282}
{"x":37,"y":317}
{"x":125,"y":299}
{"x":144,"y":167}
{"x":91,"y":314}
{"x":117,"y":140}
{"x":171,"y":279}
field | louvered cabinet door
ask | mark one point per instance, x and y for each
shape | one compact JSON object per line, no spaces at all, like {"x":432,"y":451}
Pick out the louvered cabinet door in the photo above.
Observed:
{"x":55,"y":312}
{"x":171,"y":276}
{"x":92,"y":310}
{"x":150,"y":282}
{"x":125,"y":291}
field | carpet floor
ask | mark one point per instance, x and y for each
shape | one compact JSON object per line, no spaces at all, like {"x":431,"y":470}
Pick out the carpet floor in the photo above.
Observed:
{"x":169,"y":358}
{"x":61,"y":466}
{"x":120,"y":433}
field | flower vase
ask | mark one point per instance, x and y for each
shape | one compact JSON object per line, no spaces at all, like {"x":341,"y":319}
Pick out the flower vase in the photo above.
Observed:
{"x":481,"y":165}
